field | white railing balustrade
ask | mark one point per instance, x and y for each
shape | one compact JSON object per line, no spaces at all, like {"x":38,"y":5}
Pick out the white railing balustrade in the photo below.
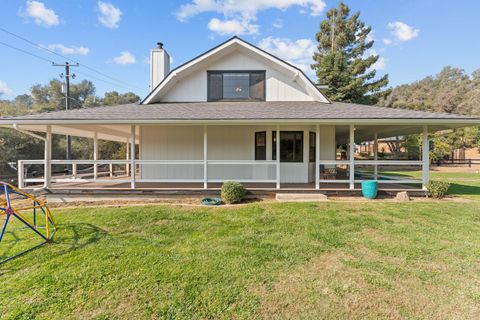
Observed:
{"x":245,"y":171}
{"x":154,"y":171}
{"x":383,"y":179}
{"x":192,"y":171}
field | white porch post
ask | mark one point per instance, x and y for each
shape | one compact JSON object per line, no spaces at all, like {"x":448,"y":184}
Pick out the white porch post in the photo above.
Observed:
{"x":205,"y":157}
{"x":352,"y":156}
{"x":48,"y":157}
{"x":21,"y":174}
{"x":277,"y":155}
{"x":132,"y":157}
{"x":425,"y":158}
{"x":375,"y":155}
{"x":127,"y":157}
{"x":74,"y":170}
{"x":95,"y":155}
{"x":317,"y":157}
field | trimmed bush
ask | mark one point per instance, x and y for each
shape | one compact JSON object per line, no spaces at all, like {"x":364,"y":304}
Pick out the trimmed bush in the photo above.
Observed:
{"x":232,"y":192}
{"x":437,"y":189}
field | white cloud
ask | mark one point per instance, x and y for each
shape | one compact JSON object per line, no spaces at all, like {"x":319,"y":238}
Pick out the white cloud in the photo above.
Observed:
{"x":124,"y":58}
{"x":278,"y":23}
{"x":242,"y":13}
{"x":245,"y":7}
{"x":109,"y":15}
{"x":402,"y":31}
{"x":40,"y":14}
{"x":370,"y":37}
{"x":4,"y":89}
{"x":387,"y":41}
{"x":232,"y":26}
{"x":381,"y":63}
{"x":58,"y":47}
{"x":297,"y":52}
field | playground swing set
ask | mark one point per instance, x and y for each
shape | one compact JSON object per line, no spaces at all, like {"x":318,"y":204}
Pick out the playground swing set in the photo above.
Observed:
{"x":20,"y":205}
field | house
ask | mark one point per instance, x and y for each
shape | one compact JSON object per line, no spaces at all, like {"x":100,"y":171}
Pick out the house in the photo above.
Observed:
{"x":237,"y":113}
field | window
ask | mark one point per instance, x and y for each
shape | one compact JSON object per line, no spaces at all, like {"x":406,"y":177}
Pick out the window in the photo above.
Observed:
{"x":261,"y":145}
{"x":312,"y":146}
{"x":291,"y":146}
{"x":235,"y":85}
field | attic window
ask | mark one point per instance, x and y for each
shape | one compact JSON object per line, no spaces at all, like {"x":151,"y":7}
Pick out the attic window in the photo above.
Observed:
{"x":236,"y":85}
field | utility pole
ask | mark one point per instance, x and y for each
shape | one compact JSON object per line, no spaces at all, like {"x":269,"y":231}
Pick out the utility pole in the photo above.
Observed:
{"x":67,"y":99}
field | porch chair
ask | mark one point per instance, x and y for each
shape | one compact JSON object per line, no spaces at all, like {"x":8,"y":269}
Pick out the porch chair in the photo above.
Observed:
{"x":328,"y":174}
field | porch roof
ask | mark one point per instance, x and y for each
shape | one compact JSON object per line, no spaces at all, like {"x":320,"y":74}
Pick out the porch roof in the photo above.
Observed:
{"x":261,"y":111}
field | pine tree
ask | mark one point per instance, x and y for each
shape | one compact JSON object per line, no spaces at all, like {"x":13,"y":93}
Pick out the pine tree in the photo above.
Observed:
{"x":341,"y":62}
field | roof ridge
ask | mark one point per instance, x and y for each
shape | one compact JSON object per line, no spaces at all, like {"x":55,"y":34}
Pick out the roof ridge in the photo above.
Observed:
{"x":165,"y":79}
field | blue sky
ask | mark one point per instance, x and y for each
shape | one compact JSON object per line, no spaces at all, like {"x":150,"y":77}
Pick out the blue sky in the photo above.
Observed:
{"x":413,"y":38}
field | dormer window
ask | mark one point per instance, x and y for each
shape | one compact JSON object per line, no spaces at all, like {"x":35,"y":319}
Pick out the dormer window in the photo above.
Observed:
{"x":235,"y":85}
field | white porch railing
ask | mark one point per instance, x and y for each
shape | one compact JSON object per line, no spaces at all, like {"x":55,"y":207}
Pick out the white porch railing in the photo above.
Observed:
{"x":212,"y":171}
{"x":246,"y":171}
{"x":256,"y":171}
{"x":384,"y":179}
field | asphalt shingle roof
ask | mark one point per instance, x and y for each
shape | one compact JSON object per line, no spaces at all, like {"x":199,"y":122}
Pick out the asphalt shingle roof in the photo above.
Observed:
{"x":281,"y":110}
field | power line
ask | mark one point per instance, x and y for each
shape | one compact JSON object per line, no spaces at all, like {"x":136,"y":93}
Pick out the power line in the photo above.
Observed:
{"x":69,"y":59}
{"x":26,"y":52}
{"x":52,"y":62}
{"x":107,"y":76}
{"x":35,"y":44}
{"x":87,"y":75}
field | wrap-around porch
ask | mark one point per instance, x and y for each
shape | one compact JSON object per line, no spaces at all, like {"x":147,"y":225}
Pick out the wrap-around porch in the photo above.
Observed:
{"x":305,"y":157}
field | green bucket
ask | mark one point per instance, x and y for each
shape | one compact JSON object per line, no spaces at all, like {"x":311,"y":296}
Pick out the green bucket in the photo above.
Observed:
{"x":370,"y":189}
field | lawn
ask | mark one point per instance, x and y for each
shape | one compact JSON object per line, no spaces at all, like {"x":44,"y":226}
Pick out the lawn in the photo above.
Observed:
{"x":465,"y":185}
{"x":261,"y":260}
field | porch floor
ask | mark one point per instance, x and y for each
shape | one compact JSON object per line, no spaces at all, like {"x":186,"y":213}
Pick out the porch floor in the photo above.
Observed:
{"x":185,"y":188}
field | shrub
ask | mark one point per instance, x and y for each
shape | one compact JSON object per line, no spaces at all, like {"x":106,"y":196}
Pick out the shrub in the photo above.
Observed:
{"x":232,"y":192}
{"x":437,"y":189}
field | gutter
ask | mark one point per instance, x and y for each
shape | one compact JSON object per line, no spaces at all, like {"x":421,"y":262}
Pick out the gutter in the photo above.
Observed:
{"x":16,"y":122}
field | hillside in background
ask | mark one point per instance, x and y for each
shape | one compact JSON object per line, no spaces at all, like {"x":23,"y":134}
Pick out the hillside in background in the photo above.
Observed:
{"x":452,"y":91}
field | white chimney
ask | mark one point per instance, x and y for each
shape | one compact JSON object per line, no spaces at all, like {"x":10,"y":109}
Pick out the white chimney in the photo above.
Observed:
{"x":159,"y":65}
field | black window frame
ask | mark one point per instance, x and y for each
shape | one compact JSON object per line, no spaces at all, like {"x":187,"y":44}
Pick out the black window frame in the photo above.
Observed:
{"x":261,"y":155}
{"x":250,"y":72}
{"x":274,"y":147}
{"x":312,"y":148}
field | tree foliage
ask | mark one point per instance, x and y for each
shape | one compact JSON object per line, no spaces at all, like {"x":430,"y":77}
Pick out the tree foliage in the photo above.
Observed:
{"x":15,"y":145}
{"x":452,"y":90}
{"x":342,"y":61}
{"x":50,"y":97}
{"x":114,"y":98}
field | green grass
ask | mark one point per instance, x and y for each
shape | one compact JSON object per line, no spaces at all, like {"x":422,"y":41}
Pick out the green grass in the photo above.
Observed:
{"x":466,"y":185}
{"x":261,"y":260}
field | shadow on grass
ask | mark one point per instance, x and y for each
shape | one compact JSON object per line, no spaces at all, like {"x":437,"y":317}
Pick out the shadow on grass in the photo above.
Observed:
{"x":78,"y":235}
{"x":69,"y":237}
{"x":456,"y":189}
{"x":463,"y":190}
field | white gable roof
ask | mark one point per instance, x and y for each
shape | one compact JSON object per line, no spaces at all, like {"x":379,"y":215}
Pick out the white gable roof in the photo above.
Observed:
{"x":223,"y":50}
